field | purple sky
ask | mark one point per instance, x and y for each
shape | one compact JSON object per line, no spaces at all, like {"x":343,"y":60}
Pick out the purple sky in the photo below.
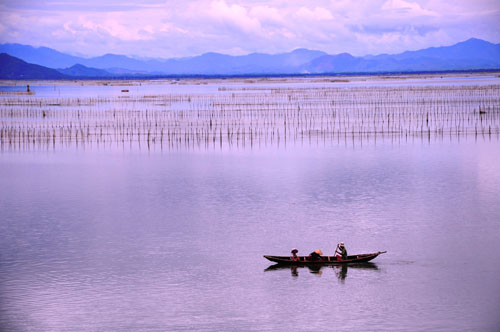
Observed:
{"x":184,"y":28}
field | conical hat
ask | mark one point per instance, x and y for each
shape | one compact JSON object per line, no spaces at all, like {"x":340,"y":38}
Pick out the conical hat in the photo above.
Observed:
{"x":318,"y":251}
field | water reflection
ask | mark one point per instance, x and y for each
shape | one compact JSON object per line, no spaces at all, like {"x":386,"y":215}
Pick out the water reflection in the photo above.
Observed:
{"x":340,"y":270}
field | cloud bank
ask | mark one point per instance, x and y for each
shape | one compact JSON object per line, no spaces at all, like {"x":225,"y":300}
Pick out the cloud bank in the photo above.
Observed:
{"x":185,"y":28}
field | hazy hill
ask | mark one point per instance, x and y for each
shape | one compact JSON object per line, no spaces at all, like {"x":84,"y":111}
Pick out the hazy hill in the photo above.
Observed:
{"x":205,"y":64}
{"x":42,"y":56}
{"x":121,"y":61}
{"x":14,"y":69}
{"x":83,"y":71}
{"x":48,"y":57}
{"x":470,"y":49}
{"x":467,"y":55}
{"x":332,"y":63}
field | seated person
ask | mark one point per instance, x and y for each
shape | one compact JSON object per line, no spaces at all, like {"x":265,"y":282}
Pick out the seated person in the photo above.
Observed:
{"x":315,"y":255}
{"x":295,"y":258}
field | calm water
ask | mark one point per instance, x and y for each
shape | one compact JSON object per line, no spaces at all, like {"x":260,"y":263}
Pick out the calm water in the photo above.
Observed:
{"x":112,"y":240}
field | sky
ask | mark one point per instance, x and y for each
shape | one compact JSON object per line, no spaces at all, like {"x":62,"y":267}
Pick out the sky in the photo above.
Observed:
{"x":165,"y":29}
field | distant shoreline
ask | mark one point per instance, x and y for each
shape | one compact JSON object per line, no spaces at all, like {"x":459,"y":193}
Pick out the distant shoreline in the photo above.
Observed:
{"x":243,"y":76}
{"x":327,"y":78}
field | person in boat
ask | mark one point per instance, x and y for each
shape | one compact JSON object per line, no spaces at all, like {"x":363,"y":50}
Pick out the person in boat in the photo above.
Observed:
{"x":341,"y":251}
{"x":295,"y":258}
{"x":315,"y":255}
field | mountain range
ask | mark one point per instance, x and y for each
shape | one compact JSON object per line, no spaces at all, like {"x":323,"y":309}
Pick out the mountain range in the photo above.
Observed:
{"x":472,"y":54}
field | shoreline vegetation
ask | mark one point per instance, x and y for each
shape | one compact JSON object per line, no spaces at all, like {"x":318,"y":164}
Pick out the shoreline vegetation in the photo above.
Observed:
{"x":251,"y":112}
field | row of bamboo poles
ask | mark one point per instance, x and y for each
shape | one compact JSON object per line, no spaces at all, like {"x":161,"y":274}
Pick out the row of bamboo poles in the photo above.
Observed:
{"x":249,"y":117}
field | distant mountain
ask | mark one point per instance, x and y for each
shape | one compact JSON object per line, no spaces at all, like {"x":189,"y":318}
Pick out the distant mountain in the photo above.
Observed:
{"x":205,"y":64}
{"x":332,"y":63}
{"x":255,"y":63}
{"x":42,"y":56}
{"x":12,"y":68}
{"x":209,"y":63}
{"x":83,"y":71}
{"x":470,"y":49}
{"x":48,"y":57}
{"x":468,"y":55}
{"x":121,"y":61}
{"x":472,"y":54}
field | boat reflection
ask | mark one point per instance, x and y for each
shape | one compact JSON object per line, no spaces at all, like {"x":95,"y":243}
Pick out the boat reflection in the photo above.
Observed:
{"x":340,"y":270}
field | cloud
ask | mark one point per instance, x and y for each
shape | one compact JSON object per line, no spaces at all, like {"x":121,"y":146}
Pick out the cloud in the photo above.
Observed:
{"x":235,"y":16}
{"x":317,"y":13}
{"x":160,"y":28}
{"x":111,"y":25}
{"x":268,"y":15}
{"x":406,"y":8}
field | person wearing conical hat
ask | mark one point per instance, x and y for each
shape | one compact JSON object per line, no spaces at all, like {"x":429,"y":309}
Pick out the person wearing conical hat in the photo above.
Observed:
{"x":341,"y":251}
{"x":315,"y":255}
{"x":295,"y":258}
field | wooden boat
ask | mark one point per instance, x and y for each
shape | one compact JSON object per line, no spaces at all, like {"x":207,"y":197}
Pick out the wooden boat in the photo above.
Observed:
{"x":324,"y":260}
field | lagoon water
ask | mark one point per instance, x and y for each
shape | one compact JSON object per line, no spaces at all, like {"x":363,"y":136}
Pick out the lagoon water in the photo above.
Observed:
{"x":99,"y":239}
